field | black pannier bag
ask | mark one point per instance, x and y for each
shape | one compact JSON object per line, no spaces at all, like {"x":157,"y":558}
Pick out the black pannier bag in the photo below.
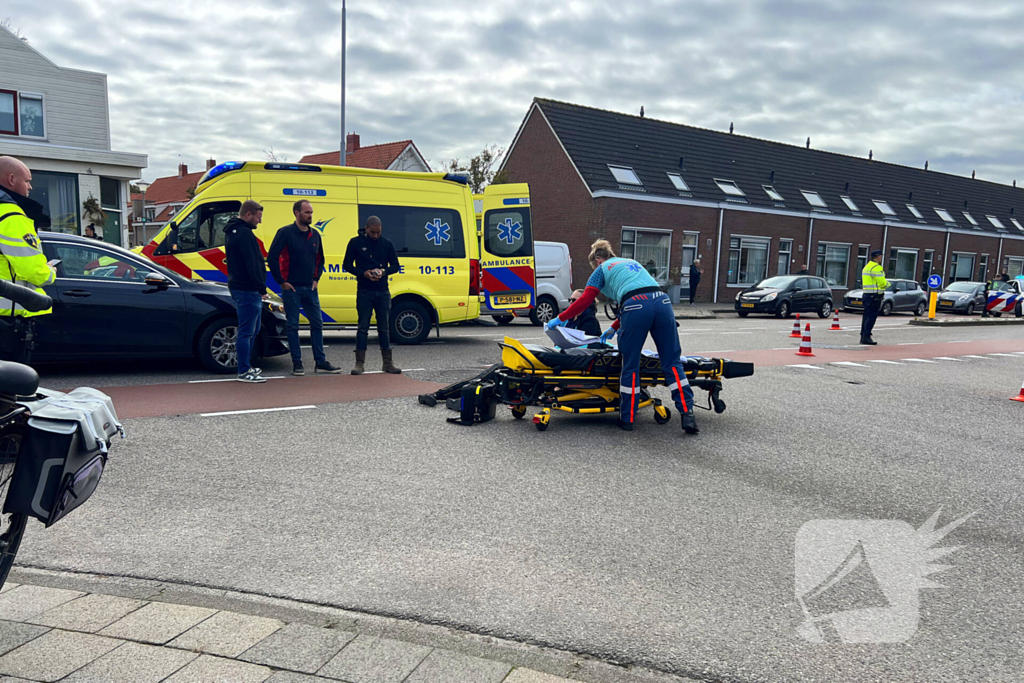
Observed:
{"x":477,"y":403}
{"x":63,"y":453}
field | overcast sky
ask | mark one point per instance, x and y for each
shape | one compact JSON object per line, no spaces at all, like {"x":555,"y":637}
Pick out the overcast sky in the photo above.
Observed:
{"x":192,"y":79}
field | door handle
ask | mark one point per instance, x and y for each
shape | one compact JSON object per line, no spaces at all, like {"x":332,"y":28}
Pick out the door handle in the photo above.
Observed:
{"x":78,"y":293}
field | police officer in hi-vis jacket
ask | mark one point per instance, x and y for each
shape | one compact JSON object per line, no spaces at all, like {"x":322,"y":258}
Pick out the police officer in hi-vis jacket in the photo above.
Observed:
{"x":21,"y":256}
{"x":874,"y":285}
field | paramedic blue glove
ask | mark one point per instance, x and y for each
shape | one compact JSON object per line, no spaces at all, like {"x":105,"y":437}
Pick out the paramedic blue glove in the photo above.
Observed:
{"x":607,"y":335}
{"x":553,"y":323}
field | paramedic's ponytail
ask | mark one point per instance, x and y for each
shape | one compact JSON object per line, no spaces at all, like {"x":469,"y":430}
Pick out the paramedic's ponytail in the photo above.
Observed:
{"x":601,"y":249}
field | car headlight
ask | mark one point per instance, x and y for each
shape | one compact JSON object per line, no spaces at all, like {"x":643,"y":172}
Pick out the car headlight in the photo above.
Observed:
{"x":275,"y":308}
{"x":965,"y":297}
{"x":738,"y":295}
{"x":770,"y":297}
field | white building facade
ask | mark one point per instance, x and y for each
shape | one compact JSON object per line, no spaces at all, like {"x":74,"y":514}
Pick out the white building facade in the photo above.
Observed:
{"x":57,"y":121}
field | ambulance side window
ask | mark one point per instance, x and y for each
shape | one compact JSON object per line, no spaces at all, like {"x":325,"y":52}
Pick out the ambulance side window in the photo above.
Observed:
{"x":203,"y":228}
{"x":508,"y":232}
{"x":420,"y":232}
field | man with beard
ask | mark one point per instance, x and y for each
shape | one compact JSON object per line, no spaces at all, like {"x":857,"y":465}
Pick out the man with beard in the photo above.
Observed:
{"x":371,"y":259}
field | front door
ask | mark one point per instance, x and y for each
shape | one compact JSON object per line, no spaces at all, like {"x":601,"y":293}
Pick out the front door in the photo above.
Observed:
{"x":804,"y":299}
{"x":506,"y":247}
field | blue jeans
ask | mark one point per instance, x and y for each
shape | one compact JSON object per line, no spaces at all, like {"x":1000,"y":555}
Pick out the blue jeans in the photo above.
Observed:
{"x":304,"y":300}
{"x":640,"y":315}
{"x":249,"y":306}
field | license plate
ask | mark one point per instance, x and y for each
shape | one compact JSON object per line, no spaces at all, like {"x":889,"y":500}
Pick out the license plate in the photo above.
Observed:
{"x":511,"y":300}
{"x":945,"y":303}
{"x":854,"y":301}
{"x":746,"y":305}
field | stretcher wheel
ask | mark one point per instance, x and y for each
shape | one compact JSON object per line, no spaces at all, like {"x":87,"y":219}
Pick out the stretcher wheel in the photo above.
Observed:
{"x":541,"y":419}
{"x":718,"y":403}
{"x":519,"y":412}
{"x":662,"y":414}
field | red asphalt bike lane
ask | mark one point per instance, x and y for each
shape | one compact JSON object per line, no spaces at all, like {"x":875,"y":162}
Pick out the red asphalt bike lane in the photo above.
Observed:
{"x":762,"y":358}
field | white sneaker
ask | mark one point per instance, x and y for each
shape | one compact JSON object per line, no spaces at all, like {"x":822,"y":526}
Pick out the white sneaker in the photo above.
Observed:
{"x":251,"y":377}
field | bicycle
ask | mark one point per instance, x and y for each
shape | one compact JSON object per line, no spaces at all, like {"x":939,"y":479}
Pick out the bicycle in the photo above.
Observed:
{"x":35,"y":479}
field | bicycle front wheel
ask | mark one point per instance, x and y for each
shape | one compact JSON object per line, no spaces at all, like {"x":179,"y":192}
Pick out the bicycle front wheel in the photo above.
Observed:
{"x":12,"y":526}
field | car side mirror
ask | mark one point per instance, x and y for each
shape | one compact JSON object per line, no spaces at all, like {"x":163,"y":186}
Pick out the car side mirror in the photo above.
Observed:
{"x":795,"y":290}
{"x":158,"y":280}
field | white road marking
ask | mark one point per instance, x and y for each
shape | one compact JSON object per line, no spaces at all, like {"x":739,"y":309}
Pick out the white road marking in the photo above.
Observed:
{"x":961,"y":341}
{"x":847,"y":362}
{"x":1010,"y":355}
{"x":229,"y":379}
{"x":803,"y":365}
{"x":752,"y":328}
{"x":257,"y":410}
{"x":1018,"y":352}
{"x":918,"y":360}
{"x":736,"y":333}
{"x":958,"y":360}
{"x":981,"y":357}
{"x":887,"y":362}
{"x":911,"y":344}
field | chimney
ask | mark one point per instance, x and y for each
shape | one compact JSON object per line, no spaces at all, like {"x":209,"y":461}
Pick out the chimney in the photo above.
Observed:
{"x":351,"y":143}
{"x":182,"y":170}
{"x":210,"y":163}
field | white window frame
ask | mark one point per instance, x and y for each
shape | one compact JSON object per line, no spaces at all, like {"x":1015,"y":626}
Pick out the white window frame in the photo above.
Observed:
{"x":773,"y":193}
{"x":971,"y":220}
{"x":814,"y":199}
{"x":729,"y":187}
{"x":678,"y":182}
{"x":629,"y":169}
{"x":818,"y":262}
{"x":994,"y":220}
{"x":850,"y":204}
{"x":636,"y":229}
{"x":684,"y":274}
{"x":42,"y":104}
{"x":788,"y":253}
{"x":767,"y":241}
{"x":1017,"y":225}
{"x":954,"y":260}
{"x":984,"y":258}
{"x":884,"y":207}
{"x":945,"y":216}
{"x":904,"y":250}
{"x":913,"y":209}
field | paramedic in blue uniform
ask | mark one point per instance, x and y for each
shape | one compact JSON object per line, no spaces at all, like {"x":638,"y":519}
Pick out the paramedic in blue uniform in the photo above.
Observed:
{"x":643,"y":309}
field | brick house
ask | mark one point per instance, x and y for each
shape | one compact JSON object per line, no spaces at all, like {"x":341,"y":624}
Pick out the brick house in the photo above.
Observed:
{"x":666,"y":194}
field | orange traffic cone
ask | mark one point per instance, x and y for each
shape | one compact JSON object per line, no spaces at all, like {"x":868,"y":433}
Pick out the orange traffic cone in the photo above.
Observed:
{"x":796,"y":327}
{"x":805,"y":343}
{"x":1020,"y":396}
{"x":835,"y":322}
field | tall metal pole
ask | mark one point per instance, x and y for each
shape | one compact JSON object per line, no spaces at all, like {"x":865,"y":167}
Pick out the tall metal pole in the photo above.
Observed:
{"x":342,"y":155}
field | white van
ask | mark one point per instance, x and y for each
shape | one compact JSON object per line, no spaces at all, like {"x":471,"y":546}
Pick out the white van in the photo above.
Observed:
{"x":553,"y":267}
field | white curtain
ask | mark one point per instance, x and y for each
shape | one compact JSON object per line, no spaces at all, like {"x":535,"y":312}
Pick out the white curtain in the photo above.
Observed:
{"x":652,"y":253}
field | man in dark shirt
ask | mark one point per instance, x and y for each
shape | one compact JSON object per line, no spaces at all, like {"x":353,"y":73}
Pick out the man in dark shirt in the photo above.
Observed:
{"x":695,"y":272}
{"x":296,"y":260}
{"x":247,"y":282}
{"x":371,"y":259}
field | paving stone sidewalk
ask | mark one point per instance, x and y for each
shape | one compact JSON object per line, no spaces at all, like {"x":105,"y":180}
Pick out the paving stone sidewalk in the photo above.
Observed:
{"x":57,"y":634}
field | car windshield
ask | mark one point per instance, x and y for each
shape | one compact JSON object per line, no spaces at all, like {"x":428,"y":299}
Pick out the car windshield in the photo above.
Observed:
{"x":966,"y":287}
{"x":1001,"y":287}
{"x":778,"y":282}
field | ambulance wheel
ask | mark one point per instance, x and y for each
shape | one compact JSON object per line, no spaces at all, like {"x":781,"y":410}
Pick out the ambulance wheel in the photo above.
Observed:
{"x":546,"y":309}
{"x":504,"y":319}
{"x":519,"y":412}
{"x":216,"y":346}
{"x":662,"y":414}
{"x":410,"y":323}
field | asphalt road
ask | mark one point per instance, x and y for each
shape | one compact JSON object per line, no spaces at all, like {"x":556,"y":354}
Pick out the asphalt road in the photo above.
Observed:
{"x":649,"y":547}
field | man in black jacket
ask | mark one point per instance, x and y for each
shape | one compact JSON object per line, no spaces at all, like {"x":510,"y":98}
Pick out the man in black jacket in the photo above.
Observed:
{"x":247,"y":281}
{"x":586,"y":321}
{"x":296,"y":260}
{"x":371,"y":259}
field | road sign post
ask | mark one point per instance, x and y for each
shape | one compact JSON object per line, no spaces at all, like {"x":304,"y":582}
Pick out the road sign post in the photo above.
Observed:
{"x":934,"y":282}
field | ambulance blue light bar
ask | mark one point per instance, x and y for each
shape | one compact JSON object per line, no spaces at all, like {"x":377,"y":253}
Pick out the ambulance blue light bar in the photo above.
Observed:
{"x":457,"y":178}
{"x":221,"y":169}
{"x":292,"y":167}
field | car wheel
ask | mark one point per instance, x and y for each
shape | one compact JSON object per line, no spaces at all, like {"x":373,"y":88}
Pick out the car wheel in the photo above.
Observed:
{"x":826,"y":310}
{"x":783,"y":310}
{"x":997,"y":315}
{"x":886,"y":308}
{"x":970,"y":308}
{"x":546,"y":309}
{"x":921,"y":308}
{"x":410,"y":323}
{"x":743,"y":314}
{"x":504,"y":319}
{"x":1019,"y":310}
{"x":217,"y":346}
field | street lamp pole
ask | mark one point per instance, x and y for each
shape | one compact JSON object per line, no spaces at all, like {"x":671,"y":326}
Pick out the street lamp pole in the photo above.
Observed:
{"x":342,"y":154}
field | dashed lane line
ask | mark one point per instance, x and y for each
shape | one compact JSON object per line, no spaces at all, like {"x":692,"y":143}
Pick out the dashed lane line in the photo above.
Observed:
{"x":1008,"y":355}
{"x":969,"y":356}
{"x":849,"y":363}
{"x":804,"y":365}
{"x":917,"y":360}
{"x":887,"y":362}
{"x":911,"y":344}
{"x":958,"y":360}
{"x":226,"y":379}
{"x":255,"y":410}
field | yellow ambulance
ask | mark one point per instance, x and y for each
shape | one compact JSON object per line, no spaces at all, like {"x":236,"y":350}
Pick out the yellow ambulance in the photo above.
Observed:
{"x":430,"y":218}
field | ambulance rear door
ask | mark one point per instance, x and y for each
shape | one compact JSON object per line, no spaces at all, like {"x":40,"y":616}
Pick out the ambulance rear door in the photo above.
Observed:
{"x":506,"y":248}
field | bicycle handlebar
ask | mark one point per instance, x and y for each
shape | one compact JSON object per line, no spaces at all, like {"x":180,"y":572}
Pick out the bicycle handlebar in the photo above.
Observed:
{"x":26,"y":297}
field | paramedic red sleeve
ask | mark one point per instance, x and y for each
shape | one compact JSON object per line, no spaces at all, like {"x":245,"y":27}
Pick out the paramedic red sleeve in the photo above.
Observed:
{"x":615,"y":324}
{"x":580,"y":305}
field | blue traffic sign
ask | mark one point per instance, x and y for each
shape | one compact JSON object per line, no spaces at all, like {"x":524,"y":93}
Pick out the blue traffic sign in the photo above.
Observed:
{"x":934,"y":281}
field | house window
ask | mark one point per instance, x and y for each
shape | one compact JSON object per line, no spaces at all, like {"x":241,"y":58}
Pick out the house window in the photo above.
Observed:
{"x":1014,"y":266}
{"x":929,"y":259}
{"x":748,"y":260}
{"x":945,"y":216}
{"x":58,"y":193}
{"x":970,"y":219}
{"x":30,"y":108}
{"x":650,"y":248}
{"x":961,"y":267}
{"x":678,"y":182}
{"x":729,"y":187}
{"x":833,"y":263}
{"x":8,"y":113}
{"x":689,"y":256}
{"x":913,"y":210}
{"x":785,"y":256}
{"x":996,"y":222}
{"x":849,"y":203}
{"x":773,"y":193}
{"x":883,"y":207}
{"x":862,"y":260}
{"x":982,"y":269}
{"x":151,"y":212}
{"x":902,"y":263}
{"x":814,"y":199}
{"x":625,"y":175}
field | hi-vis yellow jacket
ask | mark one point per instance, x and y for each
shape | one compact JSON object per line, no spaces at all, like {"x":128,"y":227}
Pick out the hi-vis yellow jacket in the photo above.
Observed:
{"x":873,"y":278}
{"x":21,"y":256}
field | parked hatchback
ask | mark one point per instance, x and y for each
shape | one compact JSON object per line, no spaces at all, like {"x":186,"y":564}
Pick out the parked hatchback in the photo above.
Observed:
{"x":785,"y":294}
{"x":901,"y":295}
{"x":962,"y":297}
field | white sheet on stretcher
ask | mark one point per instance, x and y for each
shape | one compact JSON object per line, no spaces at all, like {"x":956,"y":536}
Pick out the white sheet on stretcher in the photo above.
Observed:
{"x":566,"y":338}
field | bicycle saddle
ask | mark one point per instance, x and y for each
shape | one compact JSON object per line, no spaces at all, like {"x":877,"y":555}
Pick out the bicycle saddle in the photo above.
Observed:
{"x":17,"y":379}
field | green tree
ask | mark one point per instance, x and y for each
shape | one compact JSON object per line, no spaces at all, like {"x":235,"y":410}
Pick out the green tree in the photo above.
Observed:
{"x":480,"y":169}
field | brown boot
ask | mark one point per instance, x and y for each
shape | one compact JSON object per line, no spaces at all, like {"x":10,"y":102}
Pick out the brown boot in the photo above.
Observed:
{"x":360,"y":367}
{"x":389,"y":366}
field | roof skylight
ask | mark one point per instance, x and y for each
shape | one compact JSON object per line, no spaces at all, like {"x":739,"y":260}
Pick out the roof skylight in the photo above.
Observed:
{"x":944,"y":215}
{"x":773,"y":193}
{"x":1017,"y":225}
{"x":913,"y":210}
{"x":883,"y":207}
{"x":814,"y":199}
{"x":678,"y":182}
{"x":729,"y":187}
{"x":996,"y":222}
{"x":849,"y":203}
{"x":970,"y":219}
{"x":625,"y":175}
